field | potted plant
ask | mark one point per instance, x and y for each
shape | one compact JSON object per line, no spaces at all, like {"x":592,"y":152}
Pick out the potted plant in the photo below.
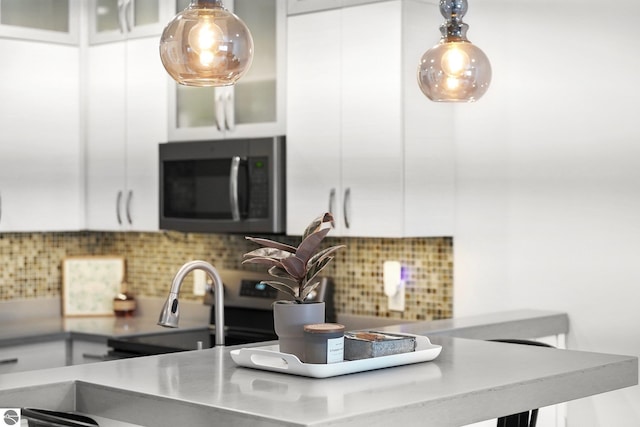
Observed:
{"x":295,"y":270}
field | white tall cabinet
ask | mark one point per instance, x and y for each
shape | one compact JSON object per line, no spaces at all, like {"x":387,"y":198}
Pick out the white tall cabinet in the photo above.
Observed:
{"x":126,"y":113}
{"x":40,"y":139}
{"x":362,"y":140}
{"x":40,"y":145}
{"x":126,"y":120}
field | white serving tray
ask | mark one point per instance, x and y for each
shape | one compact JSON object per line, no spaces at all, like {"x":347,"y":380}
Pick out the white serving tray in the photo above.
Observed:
{"x":269,"y":358}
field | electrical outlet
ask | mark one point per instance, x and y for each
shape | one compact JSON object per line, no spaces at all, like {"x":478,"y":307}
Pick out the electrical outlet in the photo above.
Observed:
{"x":199,"y":282}
{"x":396,"y":302}
{"x":394,"y":285}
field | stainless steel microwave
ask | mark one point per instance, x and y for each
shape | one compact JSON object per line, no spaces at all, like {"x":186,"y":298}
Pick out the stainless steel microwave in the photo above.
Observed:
{"x":226,"y":186}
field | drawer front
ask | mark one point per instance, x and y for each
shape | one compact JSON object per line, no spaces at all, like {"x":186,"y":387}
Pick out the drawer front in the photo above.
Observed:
{"x":28,"y":357}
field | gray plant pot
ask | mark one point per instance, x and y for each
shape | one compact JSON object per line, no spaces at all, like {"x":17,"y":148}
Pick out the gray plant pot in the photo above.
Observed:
{"x":289,"y":320}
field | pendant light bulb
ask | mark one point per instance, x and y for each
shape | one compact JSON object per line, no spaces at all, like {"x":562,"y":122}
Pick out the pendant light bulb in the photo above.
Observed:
{"x":206,"y":45}
{"x":454,"y":70}
{"x":205,"y":39}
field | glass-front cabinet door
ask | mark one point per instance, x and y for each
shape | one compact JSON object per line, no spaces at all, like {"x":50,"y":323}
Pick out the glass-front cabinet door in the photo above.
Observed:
{"x":54,"y":21}
{"x":254,"y":106}
{"x":295,"y":7}
{"x":114,"y":20}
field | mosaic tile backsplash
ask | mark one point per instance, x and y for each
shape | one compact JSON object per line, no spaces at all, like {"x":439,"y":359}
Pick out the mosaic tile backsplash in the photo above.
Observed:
{"x":30,"y":266}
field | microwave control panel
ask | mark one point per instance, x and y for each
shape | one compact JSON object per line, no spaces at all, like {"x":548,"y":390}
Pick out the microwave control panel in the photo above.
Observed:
{"x":259,"y":178}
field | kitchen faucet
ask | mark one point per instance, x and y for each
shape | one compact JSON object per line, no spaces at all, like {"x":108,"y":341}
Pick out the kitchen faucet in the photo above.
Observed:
{"x":170,"y":313}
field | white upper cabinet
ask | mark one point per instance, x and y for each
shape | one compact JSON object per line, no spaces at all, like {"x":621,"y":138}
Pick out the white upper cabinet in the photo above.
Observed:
{"x":40,"y":146}
{"x":126,"y":113}
{"x":255,"y":105}
{"x":53,"y":21}
{"x":313,"y":118}
{"x":362,"y":140}
{"x":126,"y":121}
{"x":114,"y":20}
{"x":295,"y":7}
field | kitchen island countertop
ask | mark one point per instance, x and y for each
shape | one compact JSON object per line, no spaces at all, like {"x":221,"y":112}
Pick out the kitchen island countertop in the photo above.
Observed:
{"x":471,"y":380}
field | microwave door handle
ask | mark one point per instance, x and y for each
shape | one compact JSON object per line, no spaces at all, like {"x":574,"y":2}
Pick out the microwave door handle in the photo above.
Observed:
{"x":233,"y":188}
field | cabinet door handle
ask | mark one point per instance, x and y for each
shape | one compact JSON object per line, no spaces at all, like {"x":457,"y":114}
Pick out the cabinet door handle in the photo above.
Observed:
{"x":229,"y":112}
{"x":8,"y":361}
{"x":94,"y":356}
{"x":128,"y":207}
{"x":219,"y":111}
{"x":0,"y":208}
{"x":346,"y":207}
{"x":128,"y":14}
{"x":121,"y":13}
{"x":118,"y":203}
{"x":332,"y":199}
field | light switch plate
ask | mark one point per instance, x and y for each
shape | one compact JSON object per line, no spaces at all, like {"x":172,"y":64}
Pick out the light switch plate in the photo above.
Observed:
{"x":199,"y":282}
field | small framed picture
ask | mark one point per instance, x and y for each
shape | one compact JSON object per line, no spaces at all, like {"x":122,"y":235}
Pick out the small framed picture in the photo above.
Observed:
{"x":90,"y":283}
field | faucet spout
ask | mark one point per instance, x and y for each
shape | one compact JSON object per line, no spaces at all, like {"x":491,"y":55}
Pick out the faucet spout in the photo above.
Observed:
{"x":170,"y":313}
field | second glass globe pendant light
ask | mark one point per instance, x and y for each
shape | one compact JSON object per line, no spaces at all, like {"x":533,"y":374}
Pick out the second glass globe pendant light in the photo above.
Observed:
{"x":206,"y":45}
{"x":454,"y":70}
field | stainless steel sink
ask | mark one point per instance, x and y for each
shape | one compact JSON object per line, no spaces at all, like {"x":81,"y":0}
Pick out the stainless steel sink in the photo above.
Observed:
{"x":113,"y":407}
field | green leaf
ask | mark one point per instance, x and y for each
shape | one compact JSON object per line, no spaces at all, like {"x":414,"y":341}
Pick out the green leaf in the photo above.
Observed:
{"x":263,"y":260}
{"x":272,"y":244}
{"x":310,"y":245}
{"x":282,"y":287}
{"x":307,"y":290}
{"x":295,"y":267}
{"x":316,"y":269}
{"x":268,"y":253}
{"x":323,"y":221}
{"x":324,"y":253}
{"x":278,"y":271}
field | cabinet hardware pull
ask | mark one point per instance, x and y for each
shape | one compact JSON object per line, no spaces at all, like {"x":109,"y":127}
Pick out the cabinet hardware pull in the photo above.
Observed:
{"x":121,"y":12}
{"x":219,"y":111}
{"x":332,"y":199}
{"x":233,"y":188}
{"x":8,"y":361}
{"x":128,"y":207}
{"x":0,"y":208}
{"x":128,"y":14}
{"x":345,"y":207}
{"x":118,"y":202}
{"x":229,"y":113}
{"x":94,"y":356}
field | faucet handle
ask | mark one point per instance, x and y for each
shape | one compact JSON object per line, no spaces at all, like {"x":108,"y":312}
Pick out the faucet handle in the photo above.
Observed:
{"x":210,"y":293}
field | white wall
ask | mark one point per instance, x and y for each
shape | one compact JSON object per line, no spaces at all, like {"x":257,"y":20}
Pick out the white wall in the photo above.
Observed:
{"x":548,"y":178}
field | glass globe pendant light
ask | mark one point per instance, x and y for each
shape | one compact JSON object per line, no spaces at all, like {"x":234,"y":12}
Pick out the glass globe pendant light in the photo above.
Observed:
{"x":454,"y":70}
{"x":206,"y":45}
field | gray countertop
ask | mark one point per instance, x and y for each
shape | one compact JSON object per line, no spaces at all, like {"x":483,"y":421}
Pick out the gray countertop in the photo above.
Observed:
{"x":470,"y":381}
{"x":31,"y":321}
{"x":516,"y":324}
